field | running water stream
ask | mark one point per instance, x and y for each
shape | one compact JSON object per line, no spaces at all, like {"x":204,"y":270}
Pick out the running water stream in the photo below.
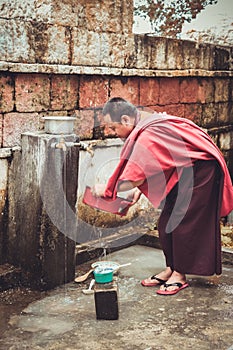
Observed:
{"x":101,"y":244}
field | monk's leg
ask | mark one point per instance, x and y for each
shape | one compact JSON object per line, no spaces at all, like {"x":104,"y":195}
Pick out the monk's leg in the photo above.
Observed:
{"x":194,"y":246}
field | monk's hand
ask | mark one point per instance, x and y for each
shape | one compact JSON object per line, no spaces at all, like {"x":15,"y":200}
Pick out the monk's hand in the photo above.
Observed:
{"x":134,"y":195}
{"x":98,"y":190}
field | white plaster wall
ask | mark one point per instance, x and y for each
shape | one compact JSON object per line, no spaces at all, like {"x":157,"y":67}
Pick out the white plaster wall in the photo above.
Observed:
{"x":99,"y":168}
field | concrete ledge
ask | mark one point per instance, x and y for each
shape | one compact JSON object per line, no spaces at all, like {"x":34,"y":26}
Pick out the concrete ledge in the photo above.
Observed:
{"x":113,"y":243}
{"x":116,"y":242}
{"x":16,"y":67}
{"x":5,"y":153}
{"x":8,"y":151}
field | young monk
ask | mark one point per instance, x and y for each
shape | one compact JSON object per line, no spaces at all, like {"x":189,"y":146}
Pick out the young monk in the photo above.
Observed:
{"x":176,"y":165}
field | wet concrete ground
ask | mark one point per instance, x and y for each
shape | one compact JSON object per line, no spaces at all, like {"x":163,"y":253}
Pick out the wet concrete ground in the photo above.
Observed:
{"x":199,"y":317}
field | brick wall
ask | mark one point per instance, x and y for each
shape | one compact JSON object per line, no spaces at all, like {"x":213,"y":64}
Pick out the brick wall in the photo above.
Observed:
{"x":26,"y":97}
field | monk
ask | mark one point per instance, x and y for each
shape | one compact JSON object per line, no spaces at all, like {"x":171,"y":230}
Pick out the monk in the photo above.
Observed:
{"x":177,"y":166}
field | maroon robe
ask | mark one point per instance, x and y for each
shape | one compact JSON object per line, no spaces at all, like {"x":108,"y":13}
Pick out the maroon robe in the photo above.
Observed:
{"x":173,"y":155}
{"x":158,"y":149}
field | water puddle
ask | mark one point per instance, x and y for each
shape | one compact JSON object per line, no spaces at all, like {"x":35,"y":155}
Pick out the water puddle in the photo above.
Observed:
{"x":13,"y":301}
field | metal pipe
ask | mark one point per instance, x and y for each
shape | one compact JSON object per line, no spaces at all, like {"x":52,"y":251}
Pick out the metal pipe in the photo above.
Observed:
{"x":62,"y":144}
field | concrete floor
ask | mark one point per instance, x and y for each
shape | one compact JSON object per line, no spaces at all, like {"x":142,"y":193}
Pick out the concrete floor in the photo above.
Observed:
{"x":199,"y":317}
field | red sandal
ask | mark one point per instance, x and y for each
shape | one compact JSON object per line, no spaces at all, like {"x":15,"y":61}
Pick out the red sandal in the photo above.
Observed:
{"x":174,"y":291}
{"x":155,"y":281}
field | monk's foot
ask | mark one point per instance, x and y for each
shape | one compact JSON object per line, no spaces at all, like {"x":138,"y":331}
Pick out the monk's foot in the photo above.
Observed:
{"x":158,"y":279}
{"x":174,"y":278}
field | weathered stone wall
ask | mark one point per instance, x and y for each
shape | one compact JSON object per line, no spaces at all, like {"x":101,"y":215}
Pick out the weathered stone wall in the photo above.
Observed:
{"x":64,"y":32}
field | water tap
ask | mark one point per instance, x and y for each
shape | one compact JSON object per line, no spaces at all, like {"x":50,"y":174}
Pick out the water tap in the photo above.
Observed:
{"x":62,"y":144}
{"x":86,"y":147}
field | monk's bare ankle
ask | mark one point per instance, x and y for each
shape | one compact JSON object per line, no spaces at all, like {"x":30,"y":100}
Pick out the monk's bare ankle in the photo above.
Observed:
{"x":177,"y":277}
{"x":165,"y":274}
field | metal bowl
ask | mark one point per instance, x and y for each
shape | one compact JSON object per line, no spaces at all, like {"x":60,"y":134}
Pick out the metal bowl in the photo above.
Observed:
{"x":59,"y":125}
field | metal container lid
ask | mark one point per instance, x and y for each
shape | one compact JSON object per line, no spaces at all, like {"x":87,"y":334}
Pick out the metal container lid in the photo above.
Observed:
{"x":57,"y":117}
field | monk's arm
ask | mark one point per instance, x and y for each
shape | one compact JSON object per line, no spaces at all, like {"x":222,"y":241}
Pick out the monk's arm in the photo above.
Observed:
{"x":98,"y":190}
{"x":128,"y":185}
{"x":134,"y":194}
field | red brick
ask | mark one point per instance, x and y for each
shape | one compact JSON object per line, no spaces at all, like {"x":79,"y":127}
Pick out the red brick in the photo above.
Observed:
{"x":32,"y":92}
{"x":176,"y":110}
{"x":149,"y":109}
{"x":83,"y":126}
{"x":169,"y":91}
{"x":6,"y":94}
{"x":93,"y":92}
{"x":192,"y":90}
{"x":158,"y":109}
{"x":149,"y":91}
{"x":189,"y":90}
{"x":14,"y":124}
{"x":205,"y":91}
{"x":64,"y":92}
{"x":127,"y":88}
{"x":193,"y":112}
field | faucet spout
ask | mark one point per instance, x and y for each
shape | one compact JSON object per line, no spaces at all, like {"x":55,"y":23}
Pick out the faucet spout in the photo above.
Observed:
{"x":61,"y":144}
{"x":86,"y":147}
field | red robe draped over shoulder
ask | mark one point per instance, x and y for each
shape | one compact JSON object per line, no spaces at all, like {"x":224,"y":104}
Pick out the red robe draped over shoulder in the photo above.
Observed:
{"x":158,"y":149}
